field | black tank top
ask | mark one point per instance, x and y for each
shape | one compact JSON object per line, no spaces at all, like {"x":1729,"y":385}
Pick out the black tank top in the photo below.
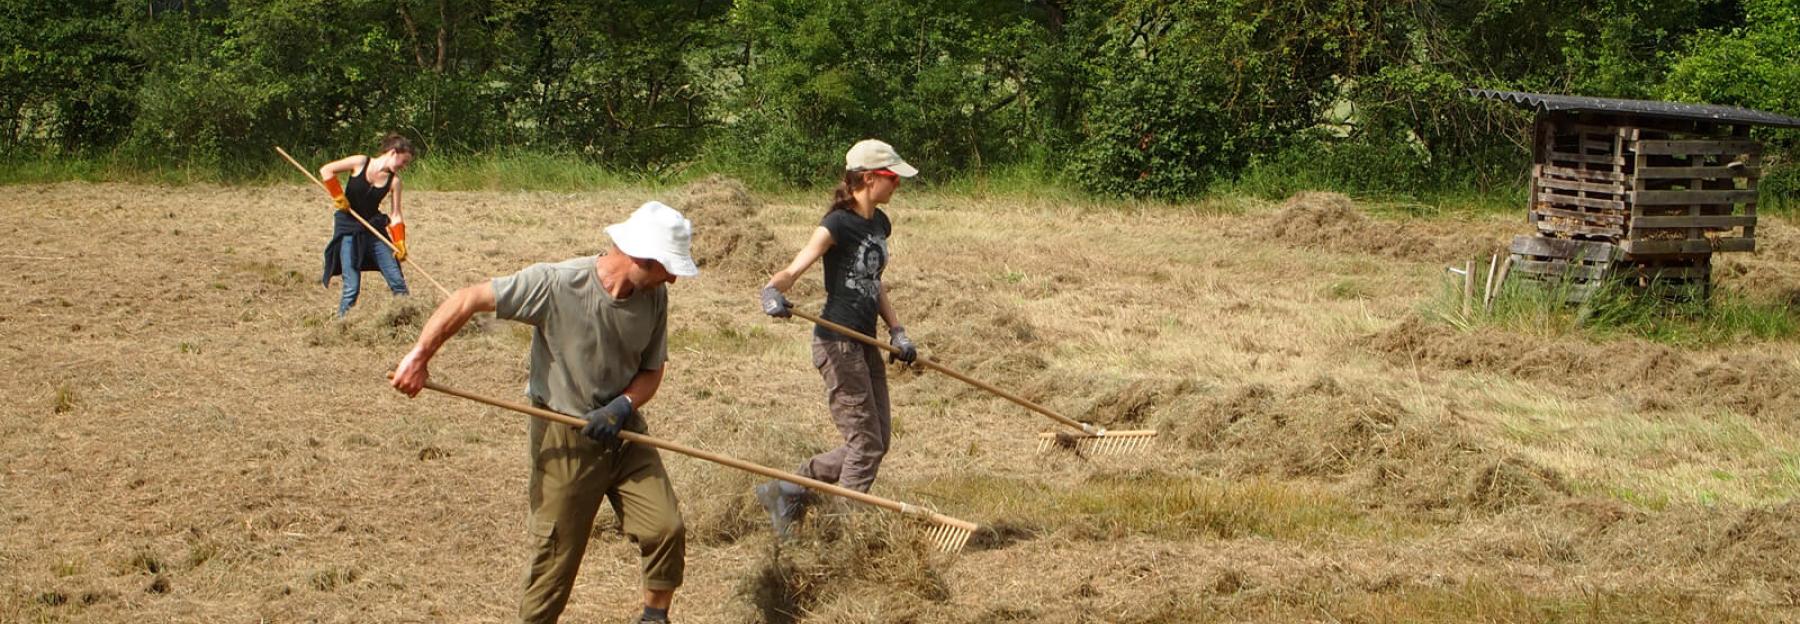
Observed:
{"x":365,"y":199}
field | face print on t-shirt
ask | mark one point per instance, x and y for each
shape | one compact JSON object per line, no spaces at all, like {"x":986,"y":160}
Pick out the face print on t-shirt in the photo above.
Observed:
{"x":865,"y":273}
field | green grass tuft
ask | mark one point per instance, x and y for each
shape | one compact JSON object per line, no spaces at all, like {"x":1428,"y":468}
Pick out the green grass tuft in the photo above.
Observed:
{"x":1680,"y":319}
{"x":66,"y":400}
{"x":1109,"y":505}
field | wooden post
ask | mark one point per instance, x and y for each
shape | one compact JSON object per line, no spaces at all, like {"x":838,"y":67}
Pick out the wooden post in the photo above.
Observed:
{"x":1487,"y":291}
{"x":1468,"y":287}
{"x":1499,"y":283}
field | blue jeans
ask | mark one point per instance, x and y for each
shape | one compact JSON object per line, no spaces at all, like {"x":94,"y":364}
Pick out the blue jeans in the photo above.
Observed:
{"x":384,"y":260}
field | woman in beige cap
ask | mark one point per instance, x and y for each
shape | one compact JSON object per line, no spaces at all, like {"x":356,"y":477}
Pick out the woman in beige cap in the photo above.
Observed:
{"x":852,"y":237}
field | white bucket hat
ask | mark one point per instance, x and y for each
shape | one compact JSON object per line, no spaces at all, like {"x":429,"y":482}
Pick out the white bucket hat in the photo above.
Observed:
{"x":870,"y":154}
{"x":657,"y":232}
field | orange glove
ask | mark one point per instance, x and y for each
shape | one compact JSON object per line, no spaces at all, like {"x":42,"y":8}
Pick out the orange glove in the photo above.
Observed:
{"x":397,"y":233}
{"x":337,"y":194}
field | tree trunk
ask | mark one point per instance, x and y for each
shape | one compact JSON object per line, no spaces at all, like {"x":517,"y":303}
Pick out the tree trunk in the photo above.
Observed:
{"x":443,"y":35}
{"x":412,"y":35}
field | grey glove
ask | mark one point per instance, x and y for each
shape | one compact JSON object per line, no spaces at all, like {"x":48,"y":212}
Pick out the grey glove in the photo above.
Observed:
{"x":773,"y":304}
{"x":908,"y":351}
{"x":604,"y":423}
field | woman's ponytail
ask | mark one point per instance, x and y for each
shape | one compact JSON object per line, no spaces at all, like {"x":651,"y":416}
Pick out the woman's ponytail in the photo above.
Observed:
{"x":843,"y":197}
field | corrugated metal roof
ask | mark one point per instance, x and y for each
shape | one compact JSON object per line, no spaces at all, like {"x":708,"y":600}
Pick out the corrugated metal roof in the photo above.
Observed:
{"x":1648,"y":108}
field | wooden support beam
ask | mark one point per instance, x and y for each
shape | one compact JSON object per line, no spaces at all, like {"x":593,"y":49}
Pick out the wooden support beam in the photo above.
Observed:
{"x":1689,"y":246}
{"x":1604,"y":159}
{"x":1563,"y":269}
{"x":1577,"y":250}
{"x":1685,"y":221}
{"x":1684,"y":198}
{"x":1590,"y":217}
{"x":1585,"y":175}
{"x":1699,"y":147}
{"x":1585,"y":202}
{"x":1614,"y":188}
{"x":1664,"y":173}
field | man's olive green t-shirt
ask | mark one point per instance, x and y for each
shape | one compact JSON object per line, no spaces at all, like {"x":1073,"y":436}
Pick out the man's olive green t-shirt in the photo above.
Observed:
{"x":587,"y":345}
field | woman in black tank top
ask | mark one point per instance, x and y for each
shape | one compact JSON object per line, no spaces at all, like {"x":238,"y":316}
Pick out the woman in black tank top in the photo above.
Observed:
{"x":852,"y":239}
{"x":353,"y":249}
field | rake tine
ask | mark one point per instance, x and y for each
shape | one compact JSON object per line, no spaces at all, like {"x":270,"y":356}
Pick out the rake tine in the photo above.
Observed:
{"x":1120,"y":445}
{"x":1106,"y":443}
{"x":950,"y":539}
{"x":947,"y":533}
{"x":947,"y":537}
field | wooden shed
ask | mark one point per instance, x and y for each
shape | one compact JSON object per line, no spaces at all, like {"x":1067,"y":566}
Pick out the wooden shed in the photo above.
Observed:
{"x":1636,"y":190}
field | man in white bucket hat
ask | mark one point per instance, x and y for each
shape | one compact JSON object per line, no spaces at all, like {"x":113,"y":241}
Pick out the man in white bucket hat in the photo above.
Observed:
{"x":598,"y":349}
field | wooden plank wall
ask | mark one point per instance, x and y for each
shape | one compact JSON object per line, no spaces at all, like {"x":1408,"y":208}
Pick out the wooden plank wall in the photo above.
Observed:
{"x":1655,"y":187}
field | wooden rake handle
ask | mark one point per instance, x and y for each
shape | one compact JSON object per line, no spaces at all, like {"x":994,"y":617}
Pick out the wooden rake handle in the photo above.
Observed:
{"x":638,"y":438}
{"x":378,"y":234}
{"x":927,"y":363}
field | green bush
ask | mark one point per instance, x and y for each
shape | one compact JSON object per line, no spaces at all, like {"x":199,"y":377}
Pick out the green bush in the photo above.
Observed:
{"x":1179,"y":95}
{"x":941,"y":80}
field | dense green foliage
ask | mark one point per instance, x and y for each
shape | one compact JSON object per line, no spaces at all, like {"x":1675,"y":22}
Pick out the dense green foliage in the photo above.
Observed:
{"x":1119,"y":97}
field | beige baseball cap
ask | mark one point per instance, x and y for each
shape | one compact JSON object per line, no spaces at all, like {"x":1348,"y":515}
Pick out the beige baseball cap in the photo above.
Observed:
{"x":657,"y":232}
{"x":870,"y":154}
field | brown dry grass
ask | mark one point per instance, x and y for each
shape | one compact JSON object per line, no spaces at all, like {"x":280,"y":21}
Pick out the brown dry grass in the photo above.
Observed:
{"x":190,"y":436}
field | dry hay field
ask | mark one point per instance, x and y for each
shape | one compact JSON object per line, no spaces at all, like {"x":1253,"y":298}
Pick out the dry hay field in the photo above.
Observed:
{"x":189,"y":436}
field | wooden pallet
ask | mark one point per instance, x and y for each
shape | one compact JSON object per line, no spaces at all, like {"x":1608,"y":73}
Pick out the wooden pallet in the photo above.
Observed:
{"x":1575,"y":269}
{"x":1580,"y":181}
{"x":1692,"y":197}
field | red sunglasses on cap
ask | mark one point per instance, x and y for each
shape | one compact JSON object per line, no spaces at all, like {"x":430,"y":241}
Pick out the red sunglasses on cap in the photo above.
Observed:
{"x":885,"y":173}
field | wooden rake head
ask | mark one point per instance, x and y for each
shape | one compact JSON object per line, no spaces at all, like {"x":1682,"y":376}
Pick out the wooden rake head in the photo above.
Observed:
{"x":1102,"y":442}
{"x":949,"y":538}
{"x":946,"y":533}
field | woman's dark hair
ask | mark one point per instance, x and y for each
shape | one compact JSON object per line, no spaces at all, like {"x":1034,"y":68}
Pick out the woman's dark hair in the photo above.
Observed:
{"x":393,"y":141}
{"x":841,"y":198}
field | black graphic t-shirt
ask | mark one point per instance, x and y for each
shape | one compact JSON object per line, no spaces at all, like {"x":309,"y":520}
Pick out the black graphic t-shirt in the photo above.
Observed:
{"x":853,"y":267}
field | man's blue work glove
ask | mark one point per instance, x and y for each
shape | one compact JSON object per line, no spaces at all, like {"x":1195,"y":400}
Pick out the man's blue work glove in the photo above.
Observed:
{"x":603,"y":424}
